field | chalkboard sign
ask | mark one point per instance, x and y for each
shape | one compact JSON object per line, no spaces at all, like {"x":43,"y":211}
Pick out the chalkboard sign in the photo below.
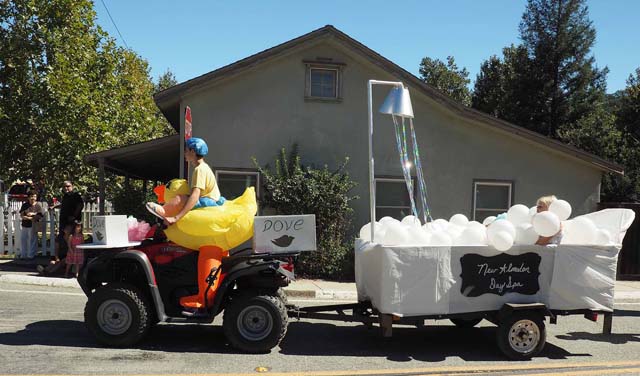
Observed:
{"x":500,"y":274}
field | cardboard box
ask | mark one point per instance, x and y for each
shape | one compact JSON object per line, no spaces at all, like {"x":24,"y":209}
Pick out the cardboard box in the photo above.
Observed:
{"x":284,"y":233}
{"x":110,"y":230}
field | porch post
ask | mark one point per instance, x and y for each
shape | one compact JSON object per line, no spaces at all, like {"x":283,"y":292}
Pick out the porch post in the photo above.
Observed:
{"x":101,"y":184}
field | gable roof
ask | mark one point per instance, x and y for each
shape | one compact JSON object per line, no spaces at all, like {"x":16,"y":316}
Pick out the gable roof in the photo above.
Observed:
{"x":169,"y":100}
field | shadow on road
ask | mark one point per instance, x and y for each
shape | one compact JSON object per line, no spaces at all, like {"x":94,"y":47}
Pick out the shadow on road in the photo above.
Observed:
{"x":165,"y":337}
{"x":428,"y":344}
{"x":615,"y":339}
{"x":626,"y":313}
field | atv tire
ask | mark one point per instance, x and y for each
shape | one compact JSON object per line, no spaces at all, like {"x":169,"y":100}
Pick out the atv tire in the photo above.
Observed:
{"x":255,"y":322}
{"x":118,"y":315}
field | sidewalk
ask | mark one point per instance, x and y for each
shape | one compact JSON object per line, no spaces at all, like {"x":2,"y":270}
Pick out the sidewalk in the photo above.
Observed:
{"x":625,"y":291}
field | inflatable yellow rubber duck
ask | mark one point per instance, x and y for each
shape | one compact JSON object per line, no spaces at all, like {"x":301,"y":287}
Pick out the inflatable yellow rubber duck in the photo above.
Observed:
{"x":225,"y":226}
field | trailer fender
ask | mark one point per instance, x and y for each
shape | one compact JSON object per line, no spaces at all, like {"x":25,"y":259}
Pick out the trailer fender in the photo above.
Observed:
{"x":509,"y":308}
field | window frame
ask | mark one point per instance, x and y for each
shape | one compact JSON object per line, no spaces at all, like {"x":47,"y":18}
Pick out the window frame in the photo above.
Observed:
{"x":238,"y":172}
{"x":495,"y":183}
{"x":327,"y":65}
{"x":393,"y":179}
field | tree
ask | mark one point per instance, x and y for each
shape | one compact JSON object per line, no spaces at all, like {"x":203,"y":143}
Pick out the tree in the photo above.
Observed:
{"x":447,"y":78}
{"x":629,"y":110}
{"x":165,"y":81}
{"x":66,"y":90}
{"x":559,"y":36}
{"x":550,"y":81}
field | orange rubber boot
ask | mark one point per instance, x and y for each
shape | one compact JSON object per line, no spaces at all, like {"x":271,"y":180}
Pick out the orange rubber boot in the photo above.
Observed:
{"x":210,"y":257}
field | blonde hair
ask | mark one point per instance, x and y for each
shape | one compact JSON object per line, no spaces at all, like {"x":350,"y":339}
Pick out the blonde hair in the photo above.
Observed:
{"x":546,"y":200}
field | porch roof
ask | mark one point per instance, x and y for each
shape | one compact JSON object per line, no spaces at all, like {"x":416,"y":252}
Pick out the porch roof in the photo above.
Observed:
{"x":157,"y":159}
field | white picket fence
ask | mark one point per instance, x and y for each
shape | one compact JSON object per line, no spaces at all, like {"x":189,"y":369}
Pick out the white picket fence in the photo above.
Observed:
{"x":10,"y":228}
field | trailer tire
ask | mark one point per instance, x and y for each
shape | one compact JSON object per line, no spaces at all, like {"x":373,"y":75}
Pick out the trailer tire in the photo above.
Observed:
{"x":118,"y":315}
{"x":255,"y":322}
{"x":466,"y":323}
{"x":522,"y":335}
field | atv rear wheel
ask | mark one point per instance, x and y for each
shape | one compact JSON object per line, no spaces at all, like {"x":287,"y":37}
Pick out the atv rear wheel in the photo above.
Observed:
{"x":255,"y":323}
{"x":118,"y":315}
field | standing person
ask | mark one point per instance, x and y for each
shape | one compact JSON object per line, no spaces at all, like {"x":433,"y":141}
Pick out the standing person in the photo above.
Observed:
{"x":30,"y":214}
{"x":70,"y":211}
{"x":75,"y":256}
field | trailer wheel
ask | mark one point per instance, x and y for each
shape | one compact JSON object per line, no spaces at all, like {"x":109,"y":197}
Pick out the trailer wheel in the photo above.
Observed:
{"x":522,"y":335}
{"x":118,"y":315}
{"x":255,"y":323}
{"x":466,"y":323}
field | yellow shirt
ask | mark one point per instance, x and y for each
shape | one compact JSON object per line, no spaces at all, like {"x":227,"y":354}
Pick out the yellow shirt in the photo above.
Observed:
{"x":205,"y":179}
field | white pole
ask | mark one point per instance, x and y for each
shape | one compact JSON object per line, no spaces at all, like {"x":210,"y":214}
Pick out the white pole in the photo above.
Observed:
{"x":372,"y":187}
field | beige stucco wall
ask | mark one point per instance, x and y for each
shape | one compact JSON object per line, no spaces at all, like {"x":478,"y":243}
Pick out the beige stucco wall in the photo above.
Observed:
{"x":257,"y":112}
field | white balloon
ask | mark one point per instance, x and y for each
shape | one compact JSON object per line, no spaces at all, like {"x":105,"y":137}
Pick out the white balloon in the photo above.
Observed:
{"x":561,"y":208}
{"x":417,"y":236}
{"x":459,"y":220}
{"x":454,"y":230}
{"x":603,"y":237}
{"x":546,"y":223}
{"x":411,"y":220}
{"x":487,"y":221}
{"x":501,"y":225}
{"x":441,"y":238}
{"x":502,"y":240}
{"x":476,"y":224}
{"x":396,"y":234}
{"x":384,"y":220}
{"x":472,"y":236}
{"x":580,"y":230}
{"x":365,"y":231}
{"x":439,"y":225}
{"x":518,"y":214}
{"x":525,"y":234}
{"x":532,"y":211}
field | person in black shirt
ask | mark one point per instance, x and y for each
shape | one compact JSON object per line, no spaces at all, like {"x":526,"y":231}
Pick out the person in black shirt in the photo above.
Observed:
{"x":30,"y":215}
{"x":70,"y":211}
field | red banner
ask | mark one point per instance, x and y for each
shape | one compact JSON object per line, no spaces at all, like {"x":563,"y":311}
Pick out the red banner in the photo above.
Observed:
{"x":187,"y":123}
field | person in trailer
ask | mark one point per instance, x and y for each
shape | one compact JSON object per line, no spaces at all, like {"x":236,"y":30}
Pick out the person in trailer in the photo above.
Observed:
{"x":542,"y":205}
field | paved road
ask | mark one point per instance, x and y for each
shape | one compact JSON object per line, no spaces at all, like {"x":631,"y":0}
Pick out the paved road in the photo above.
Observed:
{"x":42,"y":332}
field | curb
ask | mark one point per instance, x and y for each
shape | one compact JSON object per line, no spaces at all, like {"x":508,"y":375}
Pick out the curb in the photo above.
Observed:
{"x":39,"y":281}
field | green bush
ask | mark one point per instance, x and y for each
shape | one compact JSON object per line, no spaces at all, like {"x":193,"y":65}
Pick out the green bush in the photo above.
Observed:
{"x":296,"y":189}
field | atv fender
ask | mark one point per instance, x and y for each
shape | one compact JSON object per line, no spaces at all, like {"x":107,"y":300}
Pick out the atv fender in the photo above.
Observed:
{"x":245,"y":269}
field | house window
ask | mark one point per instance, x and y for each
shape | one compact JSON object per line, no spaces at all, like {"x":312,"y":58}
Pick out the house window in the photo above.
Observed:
{"x":232,"y":184}
{"x":323,"y":80}
{"x":491,"y":198}
{"x":392,"y":198}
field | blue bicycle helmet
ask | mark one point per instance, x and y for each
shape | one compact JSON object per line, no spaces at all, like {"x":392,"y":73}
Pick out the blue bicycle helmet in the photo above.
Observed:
{"x":198,"y":145}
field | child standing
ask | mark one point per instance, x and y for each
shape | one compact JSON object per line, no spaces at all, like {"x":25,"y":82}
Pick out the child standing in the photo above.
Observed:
{"x":75,"y":256}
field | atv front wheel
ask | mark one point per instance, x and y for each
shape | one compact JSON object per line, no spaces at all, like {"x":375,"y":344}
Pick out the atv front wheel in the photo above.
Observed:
{"x":255,"y":323}
{"x":118,"y":315}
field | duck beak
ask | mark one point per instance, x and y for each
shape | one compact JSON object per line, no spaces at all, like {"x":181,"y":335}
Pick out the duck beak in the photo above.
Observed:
{"x":159,"y":191}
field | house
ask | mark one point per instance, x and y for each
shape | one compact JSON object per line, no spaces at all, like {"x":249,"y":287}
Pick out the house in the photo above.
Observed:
{"x":312,"y":91}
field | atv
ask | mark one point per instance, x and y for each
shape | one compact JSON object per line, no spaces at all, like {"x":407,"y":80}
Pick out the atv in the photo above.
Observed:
{"x":131,"y":290}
